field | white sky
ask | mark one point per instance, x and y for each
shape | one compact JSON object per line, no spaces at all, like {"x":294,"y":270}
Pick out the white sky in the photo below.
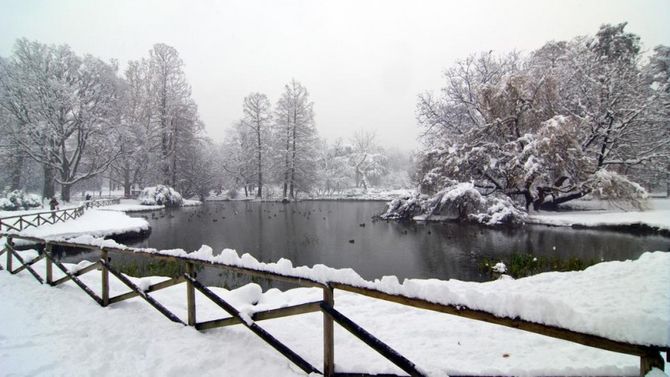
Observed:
{"x":363,"y":62}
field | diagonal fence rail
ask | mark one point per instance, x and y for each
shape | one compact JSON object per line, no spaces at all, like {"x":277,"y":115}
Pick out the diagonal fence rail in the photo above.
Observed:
{"x":650,"y":356}
{"x":32,"y":220}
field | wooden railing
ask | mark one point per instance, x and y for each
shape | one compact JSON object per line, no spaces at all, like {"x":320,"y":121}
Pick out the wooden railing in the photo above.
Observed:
{"x":650,"y":356}
{"x":21,"y":222}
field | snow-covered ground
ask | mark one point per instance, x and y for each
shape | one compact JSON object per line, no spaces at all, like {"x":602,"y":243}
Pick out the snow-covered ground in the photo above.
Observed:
{"x":133,"y":205}
{"x":75,"y":337}
{"x":94,"y":222}
{"x":592,"y":214}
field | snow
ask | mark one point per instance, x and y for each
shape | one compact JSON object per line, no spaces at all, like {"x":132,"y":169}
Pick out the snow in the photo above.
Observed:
{"x":134,"y":205}
{"x":655,"y":372}
{"x":93,"y":222}
{"x":622,"y":300}
{"x":500,"y":268}
{"x":658,"y":215}
{"x":160,"y":195}
{"x":132,"y":338}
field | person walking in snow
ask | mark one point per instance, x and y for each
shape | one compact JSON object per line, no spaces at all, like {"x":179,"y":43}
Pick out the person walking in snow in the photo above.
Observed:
{"x":53,"y":203}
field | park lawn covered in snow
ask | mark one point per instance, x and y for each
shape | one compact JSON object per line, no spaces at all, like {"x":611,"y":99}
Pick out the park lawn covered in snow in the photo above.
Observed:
{"x":133,"y":205}
{"x":94,"y":222}
{"x":657,"y":215}
{"x":73,"y":336}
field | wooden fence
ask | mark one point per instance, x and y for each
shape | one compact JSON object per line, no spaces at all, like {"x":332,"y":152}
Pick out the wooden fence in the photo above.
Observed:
{"x":21,"y":222}
{"x":650,"y":356}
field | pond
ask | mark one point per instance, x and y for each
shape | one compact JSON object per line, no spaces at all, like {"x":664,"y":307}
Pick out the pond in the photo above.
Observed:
{"x":341,"y":234}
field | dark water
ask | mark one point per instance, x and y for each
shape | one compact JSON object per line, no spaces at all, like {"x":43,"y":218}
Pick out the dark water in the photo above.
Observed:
{"x":341,"y":234}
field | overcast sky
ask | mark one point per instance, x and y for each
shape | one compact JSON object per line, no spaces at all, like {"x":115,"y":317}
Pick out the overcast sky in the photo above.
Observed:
{"x":363,"y":62}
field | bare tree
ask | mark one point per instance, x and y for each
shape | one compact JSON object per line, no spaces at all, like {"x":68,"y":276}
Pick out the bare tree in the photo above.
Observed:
{"x":257,"y":117}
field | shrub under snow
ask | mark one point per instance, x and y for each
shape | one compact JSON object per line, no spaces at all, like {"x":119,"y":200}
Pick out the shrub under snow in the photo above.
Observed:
{"x":617,"y":189}
{"x":459,"y":201}
{"x":161,"y":195}
{"x":17,"y":199}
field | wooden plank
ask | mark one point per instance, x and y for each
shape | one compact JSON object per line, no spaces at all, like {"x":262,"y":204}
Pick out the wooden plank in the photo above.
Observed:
{"x":153,"y":302}
{"x":190,"y":295}
{"x":74,"y":279}
{"x":372,"y":375}
{"x":259,"y":331}
{"x":151,"y":288}
{"x":652,"y":360}
{"x":104,"y":255}
{"x":9,"y":245}
{"x":382,"y":348}
{"x":25,"y":266}
{"x":29,"y":223}
{"x":28,"y":265}
{"x":551,"y":331}
{"x":305,"y":308}
{"x":83,"y":271}
{"x":49,"y":265}
{"x":328,"y":335}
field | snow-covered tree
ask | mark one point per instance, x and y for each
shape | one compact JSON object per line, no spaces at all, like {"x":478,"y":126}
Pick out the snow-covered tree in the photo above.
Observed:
{"x":541,"y":128}
{"x":237,"y":160}
{"x":366,"y":158}
{"x":65,"y":106}
{"x":137,"y":136}
{"x":334,"y":171}
{"x":296,"y":138}
{"x":175,"y":112}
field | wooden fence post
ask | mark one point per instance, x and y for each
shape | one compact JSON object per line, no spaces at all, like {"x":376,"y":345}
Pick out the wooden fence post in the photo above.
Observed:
{"x":104,"y":255}
{"x":190,"y":295}
{"x":328,"y":335}
{"x":49,"y":263}
{"x":10,"y":252}
{"x":649,"y":361}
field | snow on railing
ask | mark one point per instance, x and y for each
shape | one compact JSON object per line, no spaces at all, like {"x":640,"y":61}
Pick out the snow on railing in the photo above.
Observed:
{"x":440,"y":296}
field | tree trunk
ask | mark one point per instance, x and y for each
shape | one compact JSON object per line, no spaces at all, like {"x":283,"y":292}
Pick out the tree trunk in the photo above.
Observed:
{"x":17,"y":170}
{"x":48,"y":189}
{"x":260,"y":165}
{"x":293,"y":154}
{"x":286,"y":159}
{"x":126,"y":181}
{"x":65,"y":192}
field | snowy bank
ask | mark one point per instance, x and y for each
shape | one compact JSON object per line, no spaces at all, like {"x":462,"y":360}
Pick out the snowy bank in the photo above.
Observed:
{"x":43,"y":326}
{"x":134,"y":205}
{"x":95,"y":222}
{"x":657,"y":216}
